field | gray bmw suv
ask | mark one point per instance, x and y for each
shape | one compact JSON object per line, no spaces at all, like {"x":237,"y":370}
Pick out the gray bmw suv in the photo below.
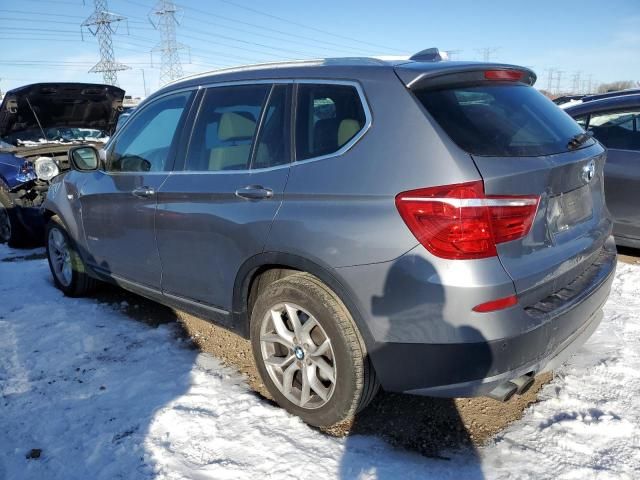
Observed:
{"x":431,"y":227}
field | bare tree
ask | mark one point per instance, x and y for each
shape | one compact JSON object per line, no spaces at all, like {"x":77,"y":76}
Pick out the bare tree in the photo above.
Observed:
{"x":619,"y":85}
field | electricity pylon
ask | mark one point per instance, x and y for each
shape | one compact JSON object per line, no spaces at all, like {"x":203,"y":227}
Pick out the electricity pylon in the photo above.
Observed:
{"x":100,"y":26}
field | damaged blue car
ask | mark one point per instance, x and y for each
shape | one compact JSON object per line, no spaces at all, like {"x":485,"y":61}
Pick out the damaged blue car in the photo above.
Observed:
{"x":39,"y":123}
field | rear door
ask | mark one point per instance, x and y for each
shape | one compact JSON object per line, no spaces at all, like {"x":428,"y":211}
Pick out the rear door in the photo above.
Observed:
{"x":619,"y":131}
{"x":216,"y":212}
{"x":521,"y":144}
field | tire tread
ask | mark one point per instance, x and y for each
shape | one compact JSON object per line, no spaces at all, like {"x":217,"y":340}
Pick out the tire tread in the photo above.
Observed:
{"x":83,"y":283}
{"x":366,"y":384}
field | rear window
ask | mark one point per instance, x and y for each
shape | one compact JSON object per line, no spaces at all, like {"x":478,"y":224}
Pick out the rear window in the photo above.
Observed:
{"x":501,"y":120}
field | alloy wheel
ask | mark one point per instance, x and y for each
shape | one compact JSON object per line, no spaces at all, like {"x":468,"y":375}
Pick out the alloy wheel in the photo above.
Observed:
{"x":60,"y":256}
{"x":298,"y":355}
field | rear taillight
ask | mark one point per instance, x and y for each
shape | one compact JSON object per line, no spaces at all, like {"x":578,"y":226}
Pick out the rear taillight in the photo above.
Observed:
{"x":461,"y":222}
{"x":503,"y":75}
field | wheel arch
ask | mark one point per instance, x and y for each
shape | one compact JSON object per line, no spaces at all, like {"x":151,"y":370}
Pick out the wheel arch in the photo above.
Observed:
{"x":258,"y":264}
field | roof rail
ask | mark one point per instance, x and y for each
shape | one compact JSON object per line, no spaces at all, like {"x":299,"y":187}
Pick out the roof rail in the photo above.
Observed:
{"x":430,"y":55}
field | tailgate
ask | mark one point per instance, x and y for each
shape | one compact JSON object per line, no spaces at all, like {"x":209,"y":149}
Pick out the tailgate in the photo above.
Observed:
{"x":524,"y":145}
{"x":571,"y":224}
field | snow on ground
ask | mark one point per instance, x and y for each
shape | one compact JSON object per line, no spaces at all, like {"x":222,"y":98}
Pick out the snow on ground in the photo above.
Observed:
{"x":107,"y":397}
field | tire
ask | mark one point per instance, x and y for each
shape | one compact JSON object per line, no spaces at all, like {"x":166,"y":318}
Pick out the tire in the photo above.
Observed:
{"x":294,"y":356}
{"x":11,"y":230}
{"x":67,"y":267}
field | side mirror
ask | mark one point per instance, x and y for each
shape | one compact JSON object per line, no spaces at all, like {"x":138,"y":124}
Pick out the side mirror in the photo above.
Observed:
{"x":84,"y":159}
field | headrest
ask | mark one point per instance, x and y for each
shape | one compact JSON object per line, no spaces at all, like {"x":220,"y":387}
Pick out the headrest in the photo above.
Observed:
{"x":233,"y":125}
{"x":347,"y":129}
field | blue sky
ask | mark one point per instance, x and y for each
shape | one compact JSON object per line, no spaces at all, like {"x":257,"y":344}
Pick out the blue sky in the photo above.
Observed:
{"x":41,"y":39}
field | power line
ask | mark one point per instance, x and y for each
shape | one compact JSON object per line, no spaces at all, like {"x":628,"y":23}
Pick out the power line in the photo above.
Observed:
{"x":558,"y":80}
{"x":575,"y":82}
{"x":100,"y":26}
{"x":310,"y":27}
{"x":259,"y":27}
{"x":46,"y":14}
{"x":61,"y":2}
{"x":165,"y":21}
{"x":453,"y":53}
{"x":487,"y":52}
{"x":550,"y":76}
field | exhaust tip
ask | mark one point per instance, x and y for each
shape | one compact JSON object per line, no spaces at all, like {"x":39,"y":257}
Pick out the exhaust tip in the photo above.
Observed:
{"x":523,"y":383}
{"x":503,"y":392}
{"x":517,"y":386}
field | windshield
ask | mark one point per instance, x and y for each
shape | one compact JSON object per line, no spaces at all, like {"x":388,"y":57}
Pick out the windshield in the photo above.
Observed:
{"x":501,"y":120}
{"x":59,"y":134}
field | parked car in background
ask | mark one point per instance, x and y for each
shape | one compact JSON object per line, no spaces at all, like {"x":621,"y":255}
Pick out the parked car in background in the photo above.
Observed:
{"x":568,"y":100}
{"x":615,"y":121}
{"x":436,"y":228}
{"x":38,"y":125}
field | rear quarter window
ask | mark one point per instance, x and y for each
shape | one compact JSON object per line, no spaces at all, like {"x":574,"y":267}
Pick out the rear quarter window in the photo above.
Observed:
{"x":501,"y":120}
{"x":328,"y":117}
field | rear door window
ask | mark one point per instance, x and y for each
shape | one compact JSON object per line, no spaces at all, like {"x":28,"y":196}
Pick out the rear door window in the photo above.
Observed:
{"x":327,"y":118}
{"x":273,"y":147}
{"x":620,"y":130}
{"x":225,"y":129}
{"x":501,"y":120}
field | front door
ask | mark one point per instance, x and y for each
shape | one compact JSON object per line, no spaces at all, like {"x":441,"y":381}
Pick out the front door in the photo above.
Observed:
{"x":217,"y":212}
{"x":119,"y":202}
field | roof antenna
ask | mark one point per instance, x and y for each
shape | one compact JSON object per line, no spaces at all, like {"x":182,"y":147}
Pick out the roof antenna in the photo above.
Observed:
{"x":44,"y":135}
{"x":430,"y":55}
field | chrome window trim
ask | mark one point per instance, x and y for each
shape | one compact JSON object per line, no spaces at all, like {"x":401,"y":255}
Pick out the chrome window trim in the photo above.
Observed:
{"x":228,"y":172}
{"x":231,"y":83}
{"x":356,"y":138}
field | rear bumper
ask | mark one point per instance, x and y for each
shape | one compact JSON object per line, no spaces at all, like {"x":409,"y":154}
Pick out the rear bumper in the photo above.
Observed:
{"x":476,"y":368}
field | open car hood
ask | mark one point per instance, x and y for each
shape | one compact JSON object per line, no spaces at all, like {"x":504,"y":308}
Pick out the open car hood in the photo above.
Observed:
{"x":56,"y":105}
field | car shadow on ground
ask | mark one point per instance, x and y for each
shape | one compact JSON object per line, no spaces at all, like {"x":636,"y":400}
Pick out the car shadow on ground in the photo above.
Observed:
{"x":430,"y":427}
{"x":411,"y":307}
{"x":78,"y":387}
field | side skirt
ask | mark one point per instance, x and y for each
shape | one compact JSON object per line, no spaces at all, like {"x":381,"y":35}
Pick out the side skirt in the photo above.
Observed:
{"x":206,"y":312}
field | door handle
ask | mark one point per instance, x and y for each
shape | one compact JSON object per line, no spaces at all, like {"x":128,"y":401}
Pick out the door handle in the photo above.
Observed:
{"x":143,"y":192}
{"x":254,"y":192}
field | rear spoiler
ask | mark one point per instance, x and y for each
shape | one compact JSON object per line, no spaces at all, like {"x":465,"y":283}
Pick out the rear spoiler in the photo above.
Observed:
{"x":419,"y":75}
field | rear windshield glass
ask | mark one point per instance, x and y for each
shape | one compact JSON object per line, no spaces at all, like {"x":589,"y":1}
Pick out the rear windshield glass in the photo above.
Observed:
{"x":501,"y":120}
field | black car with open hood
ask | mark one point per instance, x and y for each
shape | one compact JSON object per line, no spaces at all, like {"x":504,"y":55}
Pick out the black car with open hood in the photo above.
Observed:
{"x":39,"y":123}
{"x":33,"y":112}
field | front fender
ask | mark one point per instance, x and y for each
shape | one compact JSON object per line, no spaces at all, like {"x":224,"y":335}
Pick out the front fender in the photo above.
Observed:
{"x":63,"y":200}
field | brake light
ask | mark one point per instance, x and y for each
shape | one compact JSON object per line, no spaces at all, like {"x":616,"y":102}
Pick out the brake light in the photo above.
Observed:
{"x":503,"y":75}
{"x":499,"y":304}
{"x":461,"y":222}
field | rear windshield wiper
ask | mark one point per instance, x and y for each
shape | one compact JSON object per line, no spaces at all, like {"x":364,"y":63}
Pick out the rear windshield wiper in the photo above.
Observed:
{"x":579,"y":139}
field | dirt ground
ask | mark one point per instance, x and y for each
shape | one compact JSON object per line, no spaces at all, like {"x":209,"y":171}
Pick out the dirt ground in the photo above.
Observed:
{"x":628,"y":255}
{"x":429,"y":426}
{"x":425,"y":425}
